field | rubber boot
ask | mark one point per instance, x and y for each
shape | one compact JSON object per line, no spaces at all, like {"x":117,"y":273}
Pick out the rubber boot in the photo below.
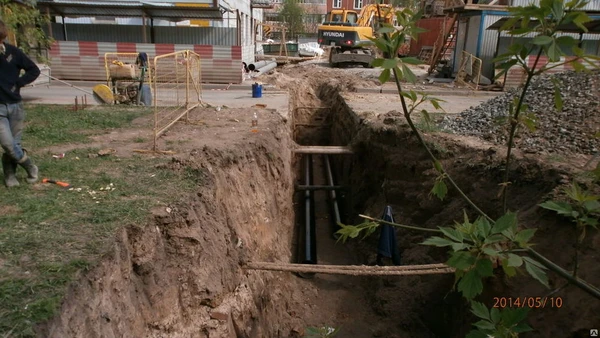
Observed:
{"x":32,"y":170}
{"x":9,"y":166}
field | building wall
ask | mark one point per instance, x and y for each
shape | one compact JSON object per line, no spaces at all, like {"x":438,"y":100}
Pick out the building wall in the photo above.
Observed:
{"x":461,"y":41}
{"x":84,"y":60}
{"x":135,"y":33}
{"x":241,"y":17}
{"x":433,"y":26}
{"x":347,"y":4}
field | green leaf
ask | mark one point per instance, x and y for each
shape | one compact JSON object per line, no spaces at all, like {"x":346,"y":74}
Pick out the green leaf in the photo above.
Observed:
{"x":460,"y":246}
{"x":512,"y":317}
{"x":542,"y":40}
{"x":494,"y":239}
{"x":495,"y":315}
{"x":510,"y":271}
{"x":522,"y":237}
{"x":439,"y":189}
{"x":386,"y":29}
{"x":554,"y":52}
{"x":485,"y":325}
{"x":533,"y":268}
{"x":484,"y":267}
{"x":580,"y":19}
{"x":470,"y":285}
{"x":452,"y":234}
{"x":461,"y":260}
{"x":377,"y":62}
{"x":437,"y":241}
{"x":480,"y":310}
{"x":438,"y":166}
{"x":507,"y":221}
{"x":522,"y":327}
{"x":577,"y":66}
{"x":484,"y":225}
{"x":408,"y":74}
{"x":490,"y":251}
{"x":390,"y":63}
{"x":514,"y":260}
{"x":566,"y":41}
{"x":436,"y":104}
{"x":562,"y":208}
{"x":411,"y":61}
{"x":591,"y":206}
{"x":385,"y":76}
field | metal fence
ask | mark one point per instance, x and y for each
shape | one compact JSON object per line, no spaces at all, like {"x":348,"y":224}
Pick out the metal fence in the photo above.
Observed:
{"x":177,"y":89}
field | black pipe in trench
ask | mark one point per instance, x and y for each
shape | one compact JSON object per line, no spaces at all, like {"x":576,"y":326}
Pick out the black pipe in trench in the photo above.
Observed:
{"x":333,"y":198}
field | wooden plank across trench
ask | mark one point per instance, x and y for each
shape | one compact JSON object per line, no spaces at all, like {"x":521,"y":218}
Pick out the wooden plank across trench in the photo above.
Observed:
{"x":354,"y":270}
{"x":322,"y":150}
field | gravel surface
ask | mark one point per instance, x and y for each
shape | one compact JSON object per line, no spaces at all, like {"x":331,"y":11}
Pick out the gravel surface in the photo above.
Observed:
{"x":571,"y":130}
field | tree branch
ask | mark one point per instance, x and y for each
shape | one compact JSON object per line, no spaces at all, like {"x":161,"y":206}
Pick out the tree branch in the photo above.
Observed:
{"x":409,"y":227}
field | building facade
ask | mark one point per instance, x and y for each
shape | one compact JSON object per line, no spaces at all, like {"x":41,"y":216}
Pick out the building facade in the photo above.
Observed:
{"x":221,"y":31}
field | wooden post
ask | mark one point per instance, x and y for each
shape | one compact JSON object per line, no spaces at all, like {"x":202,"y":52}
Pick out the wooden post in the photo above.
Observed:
{"x":144,"y":33}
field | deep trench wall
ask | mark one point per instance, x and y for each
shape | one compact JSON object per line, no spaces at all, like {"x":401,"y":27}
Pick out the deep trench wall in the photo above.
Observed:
{"x":390,"y":167}
{"x":180,"y":275}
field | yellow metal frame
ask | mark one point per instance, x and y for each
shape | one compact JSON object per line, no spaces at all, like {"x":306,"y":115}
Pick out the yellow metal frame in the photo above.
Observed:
{"x":190,"y":102}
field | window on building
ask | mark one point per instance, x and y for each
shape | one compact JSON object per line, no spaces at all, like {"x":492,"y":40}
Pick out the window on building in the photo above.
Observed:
{"x":337,"y":3}
{"x":358,"y":4}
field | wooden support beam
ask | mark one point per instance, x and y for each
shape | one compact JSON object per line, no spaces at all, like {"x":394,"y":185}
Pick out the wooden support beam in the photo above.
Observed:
{"x":353,"y":270}
{"x":322,"y":150}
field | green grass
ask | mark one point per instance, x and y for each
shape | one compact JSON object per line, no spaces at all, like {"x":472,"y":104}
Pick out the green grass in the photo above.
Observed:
{"x":48,"y":125}
{"x":49,"y":234}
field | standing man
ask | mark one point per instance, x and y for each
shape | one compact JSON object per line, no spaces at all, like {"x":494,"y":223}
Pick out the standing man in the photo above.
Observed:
{"x":12,"y":114}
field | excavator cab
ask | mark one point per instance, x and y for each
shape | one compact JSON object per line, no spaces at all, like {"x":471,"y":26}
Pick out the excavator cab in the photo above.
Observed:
{"x":341,"y":17}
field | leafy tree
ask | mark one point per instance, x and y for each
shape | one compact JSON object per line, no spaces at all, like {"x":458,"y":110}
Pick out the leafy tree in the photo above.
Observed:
{"x":292,"y":13}
{"x":25,"y":21}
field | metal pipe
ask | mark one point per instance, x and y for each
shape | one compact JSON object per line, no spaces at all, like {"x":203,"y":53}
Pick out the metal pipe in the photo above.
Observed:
{"x":333,"y":197}
{"x":259,"y":64}
{"x":266,"y":68}
{"x":310,"y":248}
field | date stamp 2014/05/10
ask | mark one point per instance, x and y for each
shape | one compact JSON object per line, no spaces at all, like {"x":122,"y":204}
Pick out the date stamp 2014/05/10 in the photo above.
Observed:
{"x":529,"y":302}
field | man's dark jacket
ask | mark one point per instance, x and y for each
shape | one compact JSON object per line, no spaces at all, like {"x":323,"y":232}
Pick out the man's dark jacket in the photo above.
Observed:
{"x":12,"y":61}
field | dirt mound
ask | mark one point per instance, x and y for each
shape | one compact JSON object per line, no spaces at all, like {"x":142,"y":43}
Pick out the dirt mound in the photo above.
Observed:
{"x":571,"y":130}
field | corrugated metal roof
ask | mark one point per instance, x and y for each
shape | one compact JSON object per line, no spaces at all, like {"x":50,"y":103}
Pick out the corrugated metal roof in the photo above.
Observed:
{"x":128,"y":9}
{"x":593,"y":26}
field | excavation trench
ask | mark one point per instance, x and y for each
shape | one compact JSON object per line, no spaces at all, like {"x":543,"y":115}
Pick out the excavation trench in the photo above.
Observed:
{"x":390,"y":168}
{"x":184,"y":275}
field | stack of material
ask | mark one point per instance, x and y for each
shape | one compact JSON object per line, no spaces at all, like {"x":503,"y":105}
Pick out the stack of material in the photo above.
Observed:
{"x":571,"y":130}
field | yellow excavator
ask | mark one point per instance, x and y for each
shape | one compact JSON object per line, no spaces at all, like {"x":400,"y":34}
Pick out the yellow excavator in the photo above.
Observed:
{"x":347,"y":32}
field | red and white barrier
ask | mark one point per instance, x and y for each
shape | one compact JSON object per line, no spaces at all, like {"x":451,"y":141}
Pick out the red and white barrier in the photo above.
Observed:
{"x":84,"y":60}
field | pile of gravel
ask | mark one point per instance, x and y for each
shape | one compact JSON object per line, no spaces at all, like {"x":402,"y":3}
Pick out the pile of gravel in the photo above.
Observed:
{"x":571,"y":130}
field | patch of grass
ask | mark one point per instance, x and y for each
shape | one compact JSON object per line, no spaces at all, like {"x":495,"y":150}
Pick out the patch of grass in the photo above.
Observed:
{"x":48,"y":125}
{"x":49,"y":234}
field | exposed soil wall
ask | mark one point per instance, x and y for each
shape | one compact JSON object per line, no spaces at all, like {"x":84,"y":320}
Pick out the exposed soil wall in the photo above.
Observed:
{"x":389,"y":167}
{"x":180,"y":275}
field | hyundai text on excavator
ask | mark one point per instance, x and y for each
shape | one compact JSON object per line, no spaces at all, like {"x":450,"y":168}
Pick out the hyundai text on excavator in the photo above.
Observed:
{"x":347,"y":33}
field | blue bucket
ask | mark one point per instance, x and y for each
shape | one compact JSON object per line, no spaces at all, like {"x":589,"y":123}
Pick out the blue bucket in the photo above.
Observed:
{"x":256,"y":90}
